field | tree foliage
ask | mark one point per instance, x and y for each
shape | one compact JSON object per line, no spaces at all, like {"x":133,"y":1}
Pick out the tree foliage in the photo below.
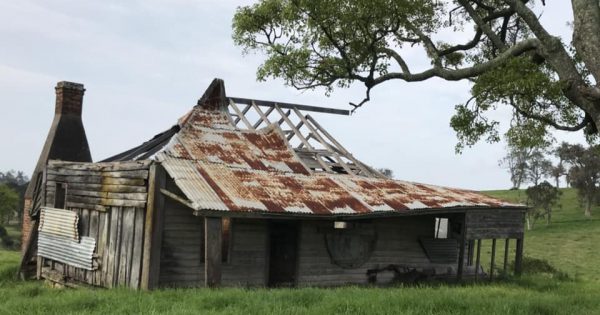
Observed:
{"x":18,"y":181}
{"x":526,"y":164}
{"x":510,"y":57}
{"x":9,"y":203}
{"x":584,"y":173}
{"x":542,"y":198}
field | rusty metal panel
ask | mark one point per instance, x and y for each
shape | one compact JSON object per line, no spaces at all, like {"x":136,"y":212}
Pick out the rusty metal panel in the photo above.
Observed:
{"x":66,"y":250}
{"x":192,"y":184}
{"x":218,"y":142}
{"x":59,"y":222}
{"x":219,"y":167}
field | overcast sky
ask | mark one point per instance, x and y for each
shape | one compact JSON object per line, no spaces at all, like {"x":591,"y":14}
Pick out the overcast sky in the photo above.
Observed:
{"x":145,"y":63}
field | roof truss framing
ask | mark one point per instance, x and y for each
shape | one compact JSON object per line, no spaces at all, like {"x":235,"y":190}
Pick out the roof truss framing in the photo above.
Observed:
{"x":317,"y":148}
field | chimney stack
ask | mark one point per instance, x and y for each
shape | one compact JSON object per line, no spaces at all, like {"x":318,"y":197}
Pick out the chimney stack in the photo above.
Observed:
{"x":69,"y":98}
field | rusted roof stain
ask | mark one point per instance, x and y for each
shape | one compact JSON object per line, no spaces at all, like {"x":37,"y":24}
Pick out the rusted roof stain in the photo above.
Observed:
{"x":219,"y":167}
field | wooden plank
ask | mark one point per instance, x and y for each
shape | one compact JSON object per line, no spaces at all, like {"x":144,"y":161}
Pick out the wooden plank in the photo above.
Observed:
{"x":39,"y":264}
{"x":153,"y":228}
{"x":140,"y":174}
{"x":105,"y":201}
{"x":126,"y":246}
{"x":76,"y":179}
{"x":212,"y":254}
{"x":136,"y":258}
{"x":103,"y":188}
{"x":266,"y":115}
{"x":109,"y":195}
{"x":102,"y":244}
{"x":324,"y":143}
{"x":118,"y":247}
{"x":175,"y":197}
{"x":123,"y":181}
{"x":72,"y":172}
{"x":112,"y":247}
{"x":93,"y":232}
{"x":107,"y":166}
{"x":241,"y":115}
{"x":519,"y":257}
{"x":301,"y":137}
{"x":493,"y":262}
{"x":477,"y":260}
{"x":263,"y":117}
{"x":290,"y":105}
{"x":79,"y":205}
{"x":505,"y":264}
{"x":84,"y":230}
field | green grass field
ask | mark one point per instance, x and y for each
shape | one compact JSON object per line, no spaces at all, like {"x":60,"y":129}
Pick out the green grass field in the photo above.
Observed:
{"x":569,"y":244}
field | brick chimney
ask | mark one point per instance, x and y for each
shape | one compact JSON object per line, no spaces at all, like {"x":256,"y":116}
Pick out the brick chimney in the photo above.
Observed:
{"x":66,"y":140}
{"x":69,"y":98}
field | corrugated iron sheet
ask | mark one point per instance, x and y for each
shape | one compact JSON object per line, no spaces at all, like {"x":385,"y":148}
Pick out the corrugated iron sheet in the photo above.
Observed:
{"x":65,"y":250}
{"x":59,"y":222}
{"x":220,"y":168}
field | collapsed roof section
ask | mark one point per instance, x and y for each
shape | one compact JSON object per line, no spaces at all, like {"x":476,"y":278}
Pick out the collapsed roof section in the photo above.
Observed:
{"x":221,"y":160}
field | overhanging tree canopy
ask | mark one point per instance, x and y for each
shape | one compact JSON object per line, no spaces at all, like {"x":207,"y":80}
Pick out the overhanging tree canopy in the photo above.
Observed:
{"x":511,"y":58}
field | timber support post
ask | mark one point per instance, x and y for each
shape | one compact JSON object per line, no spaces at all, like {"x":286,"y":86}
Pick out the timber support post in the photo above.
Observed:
{"x":153,"y":227}
{"x":493,"y":262}
{"x":478,"y":259}
{"x":519,"y":257}
{"x":506,"y":252}
{"x":213,"y":250}
{"x":461,"y":250}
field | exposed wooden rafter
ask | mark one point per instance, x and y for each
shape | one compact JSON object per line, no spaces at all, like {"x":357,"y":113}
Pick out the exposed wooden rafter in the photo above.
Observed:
{"x":314,"y":145}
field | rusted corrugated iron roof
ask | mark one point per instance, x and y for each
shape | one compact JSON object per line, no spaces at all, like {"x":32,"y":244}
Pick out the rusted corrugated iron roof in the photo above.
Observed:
{"x":219,"y":167}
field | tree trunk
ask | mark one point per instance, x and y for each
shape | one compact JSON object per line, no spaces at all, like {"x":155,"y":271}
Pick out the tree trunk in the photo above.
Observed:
{"x":528,"y":220}
{"x":548,"y":216}
{"x":557,"y":178}
{"x":588,"y":208}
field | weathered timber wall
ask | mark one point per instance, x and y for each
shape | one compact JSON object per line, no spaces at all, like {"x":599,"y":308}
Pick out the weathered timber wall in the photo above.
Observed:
{"x":397,"y":243}
{"x":110,"y":200}
{"x":248,"y":254}
{"x":486,"y":224}
{"x":182,"y":263}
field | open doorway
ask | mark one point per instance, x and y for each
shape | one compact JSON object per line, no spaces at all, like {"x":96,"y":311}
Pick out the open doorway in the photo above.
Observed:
{"x":283,"y":241}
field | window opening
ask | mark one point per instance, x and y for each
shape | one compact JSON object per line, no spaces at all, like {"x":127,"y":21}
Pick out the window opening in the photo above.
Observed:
{"x":60,"y":197}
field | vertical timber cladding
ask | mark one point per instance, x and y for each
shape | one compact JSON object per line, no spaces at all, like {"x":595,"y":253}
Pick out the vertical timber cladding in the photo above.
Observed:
{"x":397,"y":243}
{"x":488,"y":224}
{"x":110,"y":200}
{"x":182,"y":251}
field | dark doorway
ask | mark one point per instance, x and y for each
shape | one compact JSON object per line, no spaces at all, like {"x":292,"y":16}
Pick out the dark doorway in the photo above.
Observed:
{"x":283,"y":242}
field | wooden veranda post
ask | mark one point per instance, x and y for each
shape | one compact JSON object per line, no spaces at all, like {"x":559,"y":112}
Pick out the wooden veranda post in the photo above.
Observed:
{"x":478,"y":259}
{"x":506,"y":248}
{"x":493,"y":262}
{"x":212,"y":255}
{"x":153,"y":227}
{"x":519,"y":257}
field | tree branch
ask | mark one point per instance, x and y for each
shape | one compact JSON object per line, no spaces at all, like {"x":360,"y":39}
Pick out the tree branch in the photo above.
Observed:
{"x":584,"y":122}
{"x":483,"y":25}
{"x":469,"y":72}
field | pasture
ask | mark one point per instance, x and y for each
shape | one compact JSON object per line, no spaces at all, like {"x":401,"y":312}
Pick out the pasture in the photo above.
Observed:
{"x":560,"y":277}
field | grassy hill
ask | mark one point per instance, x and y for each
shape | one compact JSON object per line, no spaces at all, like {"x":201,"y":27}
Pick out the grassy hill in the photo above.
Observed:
{"x":570,"y":246}
{"x":571,"y":243}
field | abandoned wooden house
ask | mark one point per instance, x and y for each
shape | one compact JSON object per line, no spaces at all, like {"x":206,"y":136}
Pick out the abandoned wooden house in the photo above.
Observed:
{"x":244,"y":192}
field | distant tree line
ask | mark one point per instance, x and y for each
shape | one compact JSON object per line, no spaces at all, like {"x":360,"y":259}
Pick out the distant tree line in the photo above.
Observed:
{"x":13,"y":185}
{"x":578,"y":164}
